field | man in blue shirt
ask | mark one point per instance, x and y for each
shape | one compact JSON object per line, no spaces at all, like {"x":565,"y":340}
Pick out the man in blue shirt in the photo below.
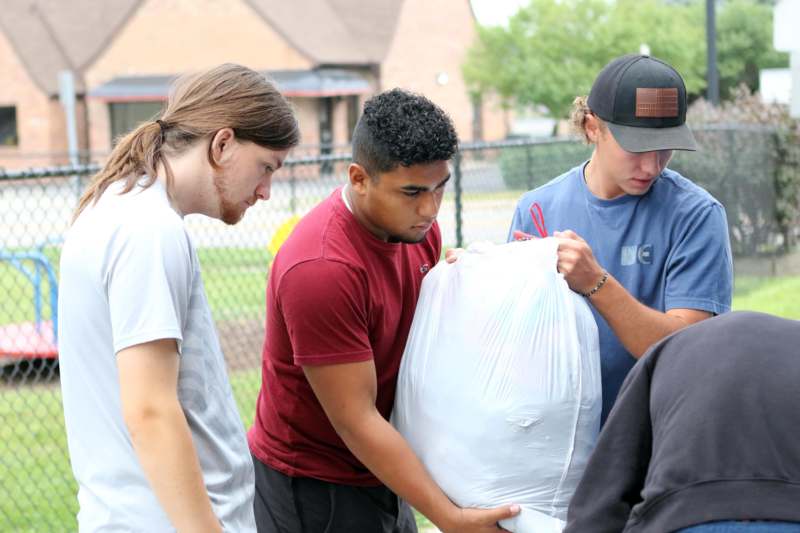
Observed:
{"x":647,"y":247}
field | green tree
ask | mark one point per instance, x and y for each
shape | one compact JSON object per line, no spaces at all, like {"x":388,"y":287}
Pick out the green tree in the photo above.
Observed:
{"x":481,"y":68}
{"x":744,"y":44}
{"x":552,"y":49}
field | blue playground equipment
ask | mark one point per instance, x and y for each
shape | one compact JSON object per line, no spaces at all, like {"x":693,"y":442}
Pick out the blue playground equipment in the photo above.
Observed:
{"x":37,"y":339}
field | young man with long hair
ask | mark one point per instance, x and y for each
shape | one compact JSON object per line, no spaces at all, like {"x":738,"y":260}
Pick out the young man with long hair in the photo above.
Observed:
{"x":155,"y":438}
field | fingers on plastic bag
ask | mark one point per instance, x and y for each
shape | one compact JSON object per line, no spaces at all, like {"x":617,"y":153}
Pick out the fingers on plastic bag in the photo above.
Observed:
{"x":452,"y":254}
{"x":522,"y":236}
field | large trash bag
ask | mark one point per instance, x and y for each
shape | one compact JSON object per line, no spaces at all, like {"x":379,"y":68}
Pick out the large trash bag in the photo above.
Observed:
{"x":499,"y":388}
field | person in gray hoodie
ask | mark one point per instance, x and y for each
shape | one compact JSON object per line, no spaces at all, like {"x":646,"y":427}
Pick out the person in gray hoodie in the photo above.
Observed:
{"x":703,"y":436}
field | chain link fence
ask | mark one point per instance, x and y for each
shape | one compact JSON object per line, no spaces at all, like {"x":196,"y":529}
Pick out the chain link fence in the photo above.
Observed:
{"x":740,"y":167}
{"x":755,"y":172}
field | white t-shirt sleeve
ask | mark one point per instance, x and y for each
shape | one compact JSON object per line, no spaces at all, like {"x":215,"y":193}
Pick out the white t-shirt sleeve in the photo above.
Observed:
{"x":148,"y":277}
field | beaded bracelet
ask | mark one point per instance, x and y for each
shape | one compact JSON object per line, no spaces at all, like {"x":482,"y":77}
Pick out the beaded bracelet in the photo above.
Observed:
{"x":598,"y":286}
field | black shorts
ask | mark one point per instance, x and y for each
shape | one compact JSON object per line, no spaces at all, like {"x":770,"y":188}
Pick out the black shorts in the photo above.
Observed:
{"x":285,"y":504}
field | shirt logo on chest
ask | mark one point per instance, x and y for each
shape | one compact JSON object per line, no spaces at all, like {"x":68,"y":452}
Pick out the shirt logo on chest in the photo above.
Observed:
{"x":642,"y":254}
{"x":424,"y":268}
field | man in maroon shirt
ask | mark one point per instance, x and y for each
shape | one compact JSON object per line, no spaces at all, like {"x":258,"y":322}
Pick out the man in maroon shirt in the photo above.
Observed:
{"x":340,"y":301}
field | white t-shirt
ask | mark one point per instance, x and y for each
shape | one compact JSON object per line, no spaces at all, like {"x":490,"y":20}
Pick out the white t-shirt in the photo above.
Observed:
{"x":129,"y":275}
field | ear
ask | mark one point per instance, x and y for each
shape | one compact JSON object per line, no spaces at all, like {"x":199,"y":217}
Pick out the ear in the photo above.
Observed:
{"x":222,"y":144}
{"x":592,"y":127}
{"x":359,"y":178}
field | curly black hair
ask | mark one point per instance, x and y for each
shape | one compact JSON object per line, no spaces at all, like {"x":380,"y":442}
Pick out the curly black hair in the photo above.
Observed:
{"x":402,"y":128}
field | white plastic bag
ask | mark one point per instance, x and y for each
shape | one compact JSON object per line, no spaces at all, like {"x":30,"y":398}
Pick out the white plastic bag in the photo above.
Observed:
{"x":499,"y":388}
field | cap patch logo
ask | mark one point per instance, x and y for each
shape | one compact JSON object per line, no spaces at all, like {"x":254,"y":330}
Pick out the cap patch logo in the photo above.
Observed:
{"x":657,"y":103}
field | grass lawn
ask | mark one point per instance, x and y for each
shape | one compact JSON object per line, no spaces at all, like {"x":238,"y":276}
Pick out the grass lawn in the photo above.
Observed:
{"x":38,"y":488}
{"x":235,"y":281}
{"x":777,"y":296}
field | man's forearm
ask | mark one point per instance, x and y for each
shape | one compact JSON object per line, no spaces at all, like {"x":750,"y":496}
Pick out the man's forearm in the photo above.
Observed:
{"x":383,"y":450}
{"x":637,"y":326}
{"x":163,"y":444}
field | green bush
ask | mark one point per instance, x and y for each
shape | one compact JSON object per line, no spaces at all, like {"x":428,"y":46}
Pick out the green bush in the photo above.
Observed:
{"x":738,"y":167}
{"x":749,"y":159}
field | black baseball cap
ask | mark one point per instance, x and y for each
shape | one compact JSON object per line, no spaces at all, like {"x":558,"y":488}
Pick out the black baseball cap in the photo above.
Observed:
{"x":643,"y":101}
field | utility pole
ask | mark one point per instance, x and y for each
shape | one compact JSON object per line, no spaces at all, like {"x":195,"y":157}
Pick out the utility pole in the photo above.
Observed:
{"x":712,"y":76}
{"x":66,"y":94}
{"x":786,"y":38}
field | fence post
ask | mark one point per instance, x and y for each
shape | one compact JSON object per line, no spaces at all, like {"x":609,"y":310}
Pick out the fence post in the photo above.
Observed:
{"x":293,"y":190}
{"x":459,"y":205}
{"x":66,"y":89}
{"x":529,"y":166}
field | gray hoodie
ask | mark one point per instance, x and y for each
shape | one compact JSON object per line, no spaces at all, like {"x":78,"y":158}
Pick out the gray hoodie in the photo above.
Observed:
{"x":706,"y":428}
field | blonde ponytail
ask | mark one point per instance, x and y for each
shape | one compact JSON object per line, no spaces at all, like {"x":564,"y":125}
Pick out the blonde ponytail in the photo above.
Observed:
{"x":577,"y":118}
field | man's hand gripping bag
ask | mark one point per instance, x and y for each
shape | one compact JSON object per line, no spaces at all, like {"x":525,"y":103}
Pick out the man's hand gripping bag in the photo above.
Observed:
{"x":499,"y":387}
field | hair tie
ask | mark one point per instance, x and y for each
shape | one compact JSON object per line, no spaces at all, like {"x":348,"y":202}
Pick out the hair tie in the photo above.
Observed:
{"x":162,"y":137}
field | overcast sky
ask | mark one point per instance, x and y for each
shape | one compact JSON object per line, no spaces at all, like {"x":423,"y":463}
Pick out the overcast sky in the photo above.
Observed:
{"x":495,"y":12}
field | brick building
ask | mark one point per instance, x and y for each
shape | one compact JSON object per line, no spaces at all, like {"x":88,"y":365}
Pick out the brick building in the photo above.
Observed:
{"x":326,"y":56}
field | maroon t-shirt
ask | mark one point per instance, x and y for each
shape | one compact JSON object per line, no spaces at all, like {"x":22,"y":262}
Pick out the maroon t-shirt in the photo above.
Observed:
{"x":336,"y":294}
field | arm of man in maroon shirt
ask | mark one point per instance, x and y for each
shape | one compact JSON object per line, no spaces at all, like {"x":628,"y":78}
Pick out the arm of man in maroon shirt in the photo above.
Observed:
{"x":347,"y":392}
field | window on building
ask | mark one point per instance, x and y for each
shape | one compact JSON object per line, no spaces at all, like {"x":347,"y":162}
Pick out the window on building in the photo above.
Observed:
{"x":8,"y":126}
{"x":325,"y":132}
{"x":125,"y":116}
{"x":325,"y":125}
{"x":353,"y":111}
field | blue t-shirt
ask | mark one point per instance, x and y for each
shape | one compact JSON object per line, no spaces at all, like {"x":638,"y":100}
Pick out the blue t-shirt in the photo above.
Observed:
{"x":669,"y":248}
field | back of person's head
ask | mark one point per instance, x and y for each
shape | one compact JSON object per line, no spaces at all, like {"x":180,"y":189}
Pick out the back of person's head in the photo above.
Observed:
{"x":402,"y":128}
{"x":642,"y":100}
{"x":199,"y":105}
